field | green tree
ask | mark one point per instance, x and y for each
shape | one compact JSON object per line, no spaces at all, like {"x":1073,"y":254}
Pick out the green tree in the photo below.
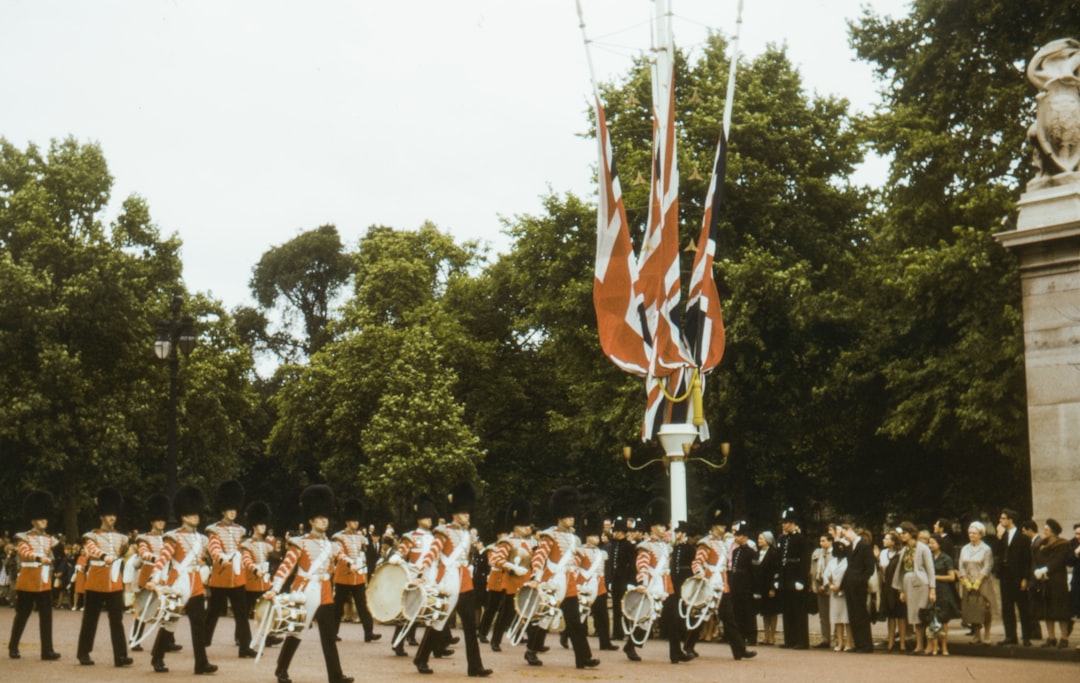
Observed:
{"x":937,"y":371}
{"x":83,"y":401}
{"x":306,"y":272}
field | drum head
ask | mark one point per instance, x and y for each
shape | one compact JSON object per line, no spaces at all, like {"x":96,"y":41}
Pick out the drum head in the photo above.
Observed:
{"x":527,"y":600}
{"x":696,"y":592}
{"x":261,"y":608}
{"x":387,"y":591}
{"x":637,"y":605}
{"x":147,"y":604}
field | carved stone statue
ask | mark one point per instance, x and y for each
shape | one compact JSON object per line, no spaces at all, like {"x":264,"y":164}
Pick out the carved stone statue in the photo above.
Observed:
{"x":1055,"y":135}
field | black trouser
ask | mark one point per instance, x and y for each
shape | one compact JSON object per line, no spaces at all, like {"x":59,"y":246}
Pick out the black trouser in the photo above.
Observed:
{"x":571,"y":610}
{"x":616,"y":614}
{"x":600,"y":620}
{"x":858,"y":616}
{"x":324,"y":617}
{"x":669,"y":616}
{"x":1014,"y":600}
{"x":114,"y":605}
{"x":742,"y":603}
{"x":196,"y":616}
{"x":796,"y":620}
{"x":466,"y":611}
{"x":507,"y":611}
{"x":24,"y":605}
{"x":358,"y":594}
{"x":494,"y":602}
{"x":237,"y":597}
{"x":732,"y":633}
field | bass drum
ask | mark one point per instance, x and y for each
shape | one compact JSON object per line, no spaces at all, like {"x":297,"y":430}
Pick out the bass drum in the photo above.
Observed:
{"x":386,"y":593}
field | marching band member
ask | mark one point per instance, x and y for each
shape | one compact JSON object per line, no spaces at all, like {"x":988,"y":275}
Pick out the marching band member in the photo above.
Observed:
{"x":451,"y":549}
{"x":310,"y":555}
{"x":711,"y":563}
{"x":513,"y":557}
{"x":105,"y":548}
{"x":411,"y":549}
{"x":555,"y":570}
{"x":34,"y":583}
{"x":148,"y":550}
{"x":654,"y":579}
{"x":350,"y":569}
{"x":255,"y":550}
{"x":495,"y":590}
{"x":227,"y":580}
{"x":177,"y":566}
{"x":592,"y":565}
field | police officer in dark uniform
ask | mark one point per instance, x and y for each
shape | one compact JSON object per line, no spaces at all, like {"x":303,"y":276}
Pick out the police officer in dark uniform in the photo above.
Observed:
{"x":794,"y":581}
{"x":682,"y":557}
{"x":741,"y":582}
{"x":620,"y":573}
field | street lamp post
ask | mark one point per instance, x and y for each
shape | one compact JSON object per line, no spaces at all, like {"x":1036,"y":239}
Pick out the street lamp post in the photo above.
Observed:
{"x":173,"y":337}
{"x":678,"y":443}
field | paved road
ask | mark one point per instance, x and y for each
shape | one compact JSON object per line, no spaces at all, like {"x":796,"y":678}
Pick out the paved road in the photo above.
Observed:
{"x":375,"y":662}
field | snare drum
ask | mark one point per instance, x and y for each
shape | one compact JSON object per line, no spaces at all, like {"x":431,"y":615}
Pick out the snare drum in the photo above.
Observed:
{"x":638,"y":608}
{"x":696,"y":592}
{"x":386,"y":593}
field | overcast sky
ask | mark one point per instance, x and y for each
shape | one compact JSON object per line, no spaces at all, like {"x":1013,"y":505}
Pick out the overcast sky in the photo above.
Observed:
{"x":245,"y":122}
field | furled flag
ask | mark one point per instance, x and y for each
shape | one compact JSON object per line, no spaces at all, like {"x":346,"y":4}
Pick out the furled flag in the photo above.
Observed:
{"x":620,"y":314}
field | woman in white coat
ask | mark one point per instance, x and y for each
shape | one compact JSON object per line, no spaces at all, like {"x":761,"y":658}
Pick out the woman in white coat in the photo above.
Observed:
{"x":915,"y":580}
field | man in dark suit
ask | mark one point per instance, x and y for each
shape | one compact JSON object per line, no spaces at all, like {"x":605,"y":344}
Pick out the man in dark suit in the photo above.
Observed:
{"x":794,"y":582}
{"x":1014,"y":566}
{"x":861,"y":566}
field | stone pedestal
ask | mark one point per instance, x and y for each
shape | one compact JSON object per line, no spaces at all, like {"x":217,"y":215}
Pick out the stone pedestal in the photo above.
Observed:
{"x":1047,"y":242}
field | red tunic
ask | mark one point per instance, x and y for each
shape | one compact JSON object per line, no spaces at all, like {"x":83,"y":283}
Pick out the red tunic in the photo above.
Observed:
{"x":149,"y":548}
{"x":179,"y":545}
{"x":653,"y":557}
{"x":594,"y":559}
{"x":711,"y":559}
{"x":303,"y":554}
{"x":33,"y":547}
{"x":99,"y":576}
{"x":512,"y":547}
{"x":557,"y":547}
{"x":228,"y":568}
{"x":447,"y":539}
{"x":350,"y":566}
{"x":496,"y":577}
{"x":256,"y":552}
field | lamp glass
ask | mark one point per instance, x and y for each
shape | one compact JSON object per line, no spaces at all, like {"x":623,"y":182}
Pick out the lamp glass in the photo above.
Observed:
{"x":162,"y":349}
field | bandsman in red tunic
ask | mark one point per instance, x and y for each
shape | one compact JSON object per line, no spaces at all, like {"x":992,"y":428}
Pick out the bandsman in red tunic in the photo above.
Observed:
{"x":148,"y":550}
{"x":711,"y":563}
{"x":33,"y":587}
{"x":654,"y":579}
{"x":409,"y":551}
{"x":513,"y":557}
{"x":105,"y":547}
{"x":256,"y":550}
{"x":350,"y":569}
{"x":450,"y":553}
{"x":591,"y":577}
{"x":227,"y":580}
{"x":495,"y":589}
{"x":182,"y":555}
{"x":555,"y":573}
{"x":310,"y":556}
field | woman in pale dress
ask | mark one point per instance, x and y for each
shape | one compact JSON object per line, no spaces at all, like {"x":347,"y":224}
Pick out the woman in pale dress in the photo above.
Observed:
{"x":976,"y":563}
{"x":838,"y":612}
{"x":914,"y":579}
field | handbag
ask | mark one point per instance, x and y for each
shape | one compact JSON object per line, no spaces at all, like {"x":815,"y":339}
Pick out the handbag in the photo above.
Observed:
{"x":929,"y":616}
{"x":973,"y":608}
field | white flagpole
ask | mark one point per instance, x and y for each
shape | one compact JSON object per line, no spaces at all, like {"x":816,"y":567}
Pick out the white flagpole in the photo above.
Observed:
{"x":731,"y":72}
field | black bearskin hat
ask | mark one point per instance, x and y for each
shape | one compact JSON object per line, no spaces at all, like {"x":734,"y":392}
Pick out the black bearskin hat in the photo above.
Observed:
{"x":719,"y":512}
{"x":230,"y":496}
{"x":423,"y":507}
{"x":257,"y":513}
{"x":317,"y":501}
{"x":657,"y":512}
{"x":789,"y":515}
{"x":38,"y":505}
{"x":461,"y":498}
{"x":564,"y":502}
{"x":353,"y":510}
{"x":189,"y":500}
{"x":158,"y":507}
{"x":590,"y":524}
{"x":109,"y":502}
{"x":519,"y":513}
